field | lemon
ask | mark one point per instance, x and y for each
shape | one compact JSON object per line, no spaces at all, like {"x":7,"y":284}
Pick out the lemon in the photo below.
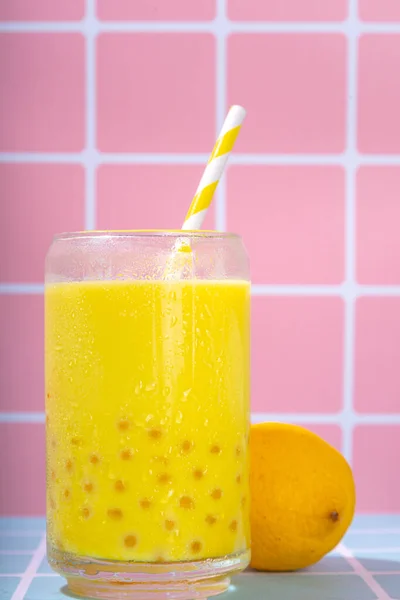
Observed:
{"x":302,"y":497}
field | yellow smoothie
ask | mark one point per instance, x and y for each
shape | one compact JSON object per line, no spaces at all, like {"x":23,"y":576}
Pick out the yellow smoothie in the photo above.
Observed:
{"x":147,"y":411}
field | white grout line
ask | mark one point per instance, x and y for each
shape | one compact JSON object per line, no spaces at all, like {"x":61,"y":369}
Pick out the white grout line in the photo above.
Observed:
{"x":259,"y":289}
{"x":350,"y":236}
{"x":262,"y":289}
{"x":30,"y":572}
{"x":220,"y":107}
{"x":246,"y":27}
{"x":90,"y":154}
{"x":257,"y":417}
{"x":21,"y":288}
{"x":22,"y":417}
{"x":172,"y":158}
{"x":365,"y":575}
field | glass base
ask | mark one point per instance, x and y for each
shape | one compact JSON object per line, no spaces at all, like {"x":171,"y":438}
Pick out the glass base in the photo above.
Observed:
{"x":105,"y":579}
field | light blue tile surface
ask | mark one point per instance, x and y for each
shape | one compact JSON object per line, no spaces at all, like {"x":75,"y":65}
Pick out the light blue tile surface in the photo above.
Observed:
{"x":19,"y":542}
{"x":372,"y":540}
{"x":330,"y":579}
{"x":11,"y":564}
{"x":46,"y":588}
{"x":299,"y":587}
{"x":391,"y":585}
{"x":381,"y":562}
{"x":22,"y":524}
{"x":8,"y":585}
{"x":376,"y":521}
{"x":331,"y":564}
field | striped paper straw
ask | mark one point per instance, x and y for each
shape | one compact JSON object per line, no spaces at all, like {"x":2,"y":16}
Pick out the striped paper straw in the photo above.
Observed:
{"x":215,"y":168}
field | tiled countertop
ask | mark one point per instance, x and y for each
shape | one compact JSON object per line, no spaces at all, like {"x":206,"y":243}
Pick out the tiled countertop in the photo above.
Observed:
{"x":366,"y":566}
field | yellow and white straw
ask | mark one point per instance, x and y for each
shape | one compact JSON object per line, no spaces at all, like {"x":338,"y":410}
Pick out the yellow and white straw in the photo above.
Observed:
{"x":214,"y":169}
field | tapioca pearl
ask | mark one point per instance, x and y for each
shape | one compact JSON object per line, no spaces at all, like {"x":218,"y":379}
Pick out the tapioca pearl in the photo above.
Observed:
{"x":216,"y":494}
{"x":169,"y":524}
{"x":94,"y":459}
{"x":186,"y":446}
{"x":211,"y":519}
{"x":155,"y":434}
{"x":66,"y":494}
{"x":69,"y":466}
{"x":145,"y":503}
{"x":233,"y":525}
{"x":186,"y":502}
{"x":164,"y":478}
{"x":85,"y":512}
{"x":88,"y":487}
{"x":115,"y":514}
{"x":124,"y":424}
{"x":126,"y":454}
{"x":130,"y":541}
{"x":120,"y":486}
{"x":76,"y":440}
{"x":198,"y":473}
{"x":195,"y":547}
{"x":215,"y":449}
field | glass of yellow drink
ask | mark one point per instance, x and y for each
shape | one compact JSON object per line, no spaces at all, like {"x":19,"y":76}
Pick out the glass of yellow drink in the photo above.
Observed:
{"x":147,"y":412}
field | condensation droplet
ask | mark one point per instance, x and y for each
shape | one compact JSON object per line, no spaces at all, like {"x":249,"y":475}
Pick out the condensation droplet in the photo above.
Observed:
{"x":186,"y":394}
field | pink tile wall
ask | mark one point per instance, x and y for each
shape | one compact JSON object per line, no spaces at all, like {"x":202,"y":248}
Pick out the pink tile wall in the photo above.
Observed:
{"x":110,"y":109}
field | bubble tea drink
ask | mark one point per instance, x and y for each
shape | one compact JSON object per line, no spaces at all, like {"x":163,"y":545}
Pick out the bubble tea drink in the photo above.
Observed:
{"x":147,"y":410}
{"x":147,"y":383}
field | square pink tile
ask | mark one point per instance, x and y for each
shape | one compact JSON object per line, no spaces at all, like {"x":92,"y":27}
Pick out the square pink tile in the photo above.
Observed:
{"x":287,"y":10}
{"x":330,"y":433}
{"x":377,"y":215}
{"x":294,"y":88}
{"x":379,"y":94}
{"x":41,"y":10}
{"x":21,"y":351}
{"x":156,"y":10}
{"x":156,"y":92}
{"x":38,"y":200}
{"x":146,"y":196}
{"x":376,"y":450}
{"x":379,"y":10}
{"x":377,"y":355}
{"x":42,"y":78}
{"x":22,"y":476}
{"x":297,"y":354}
{"x":291,"y":219}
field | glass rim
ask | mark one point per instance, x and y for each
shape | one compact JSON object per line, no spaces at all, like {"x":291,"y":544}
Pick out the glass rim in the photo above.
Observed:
{"x":145,"y":233}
